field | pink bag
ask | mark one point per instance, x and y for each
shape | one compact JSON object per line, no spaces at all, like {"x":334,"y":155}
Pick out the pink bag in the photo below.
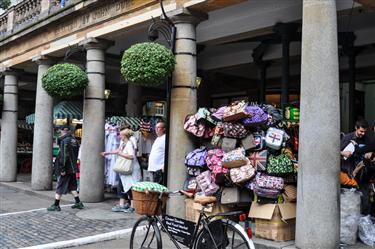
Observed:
{"x":219,"y":114}
{"x":206,"y":184}
{"x":270,"y":182}
{"x":213,"y":161}
{"x":242,"y":174}
{"x":194,"y":127}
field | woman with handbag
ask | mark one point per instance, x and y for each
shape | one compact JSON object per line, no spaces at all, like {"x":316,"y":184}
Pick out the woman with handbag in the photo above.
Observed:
{"x":128,"y":168}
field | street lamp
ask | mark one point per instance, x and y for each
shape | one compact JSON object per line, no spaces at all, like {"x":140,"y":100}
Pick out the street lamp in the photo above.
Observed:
{"x":165,"y":27}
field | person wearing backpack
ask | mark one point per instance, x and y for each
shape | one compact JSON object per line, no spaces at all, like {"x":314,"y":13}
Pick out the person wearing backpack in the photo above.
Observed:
{"x":65,"y":169}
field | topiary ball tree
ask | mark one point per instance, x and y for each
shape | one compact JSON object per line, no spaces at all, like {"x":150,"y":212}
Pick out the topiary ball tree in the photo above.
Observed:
{"x":64,"y":80}
{"x":147,"y":64}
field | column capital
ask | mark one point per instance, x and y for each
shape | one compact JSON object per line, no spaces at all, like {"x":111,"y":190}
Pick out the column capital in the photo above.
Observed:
{"x":10,"y":71}
{"x":184,"y":15}
{"x":96,"y":43}
{"x":44,"y":60}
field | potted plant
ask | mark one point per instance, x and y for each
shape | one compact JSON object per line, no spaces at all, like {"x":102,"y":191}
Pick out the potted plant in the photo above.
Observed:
{"x":147,"y":64}
{"x":64,"y":80}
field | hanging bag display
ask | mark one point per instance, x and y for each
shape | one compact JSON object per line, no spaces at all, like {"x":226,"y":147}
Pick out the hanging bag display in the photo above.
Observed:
{"x":258,"y":141}
{"x":280,"y":165}
{"x":213,"y":161}
{"x":235,"y":111}
{"x":291,"y":113}
{"x":267,"y":192}
{"x":219,"y":114}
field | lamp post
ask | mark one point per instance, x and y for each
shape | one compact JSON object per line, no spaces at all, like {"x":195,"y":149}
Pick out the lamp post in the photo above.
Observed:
{"x":167,"y":29}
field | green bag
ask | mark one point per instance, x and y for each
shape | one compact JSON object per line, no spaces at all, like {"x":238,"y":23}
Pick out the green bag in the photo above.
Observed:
{"x":279,"y":165}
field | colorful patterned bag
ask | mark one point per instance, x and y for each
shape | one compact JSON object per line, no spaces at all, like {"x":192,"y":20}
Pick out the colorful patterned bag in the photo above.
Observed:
{"x":259,"y":160}
{"x":213,"y":161}
{"x":196,"y":158}
{"x":267,"y":192}
{"x":234,"y":130}
{"x":194,"y":127}
{"x":235,"y":158}
{"x":235,"y":111}
{"x":279,"y":165}
{"x":205,"y":114}
{"x":206,"y":183}
{"x":256,"y":116}
{"x":270,"y":182}
{"x":242,"y":174}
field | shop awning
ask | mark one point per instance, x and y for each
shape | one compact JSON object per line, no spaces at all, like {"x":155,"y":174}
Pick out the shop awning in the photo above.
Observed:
{"x":64,"y":109}
{"x":23,"y":125}
{"x":118,"y":120}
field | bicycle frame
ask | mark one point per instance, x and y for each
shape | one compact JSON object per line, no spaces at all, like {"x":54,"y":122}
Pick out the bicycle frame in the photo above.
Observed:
{"x":202,"y":220}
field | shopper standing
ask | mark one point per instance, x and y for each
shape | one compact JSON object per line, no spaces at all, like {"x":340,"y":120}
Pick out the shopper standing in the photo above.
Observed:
{"x":156,"y":158}
{"x":66,"y":169}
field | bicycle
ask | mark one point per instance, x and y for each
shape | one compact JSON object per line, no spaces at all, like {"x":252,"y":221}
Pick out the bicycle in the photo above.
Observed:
{"x":209,"y":232}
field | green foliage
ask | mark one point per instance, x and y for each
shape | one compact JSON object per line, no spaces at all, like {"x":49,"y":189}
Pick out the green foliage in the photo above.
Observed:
{"x":4,"y":4}
{"x":147,"y":64}
{"x":64,"y":80}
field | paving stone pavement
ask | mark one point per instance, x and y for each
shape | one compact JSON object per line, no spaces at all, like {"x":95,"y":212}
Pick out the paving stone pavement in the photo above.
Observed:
{"x":42,"y":227}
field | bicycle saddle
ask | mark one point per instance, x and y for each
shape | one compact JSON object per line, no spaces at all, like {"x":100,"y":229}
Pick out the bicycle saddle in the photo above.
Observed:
{"x":205,"y":200}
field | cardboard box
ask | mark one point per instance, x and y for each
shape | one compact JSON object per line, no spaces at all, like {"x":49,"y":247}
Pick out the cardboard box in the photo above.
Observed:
{"x":192,"y":210}
{"x":274,"y":221}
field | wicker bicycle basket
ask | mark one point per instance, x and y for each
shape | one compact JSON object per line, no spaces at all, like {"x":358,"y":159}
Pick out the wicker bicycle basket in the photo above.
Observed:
{"x":146,"y":202}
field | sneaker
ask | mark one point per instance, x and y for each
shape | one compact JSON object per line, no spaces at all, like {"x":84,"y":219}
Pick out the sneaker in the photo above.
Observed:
{"x":118,"y":208}
{"x":53,"y":207}
{"x":78,"y":205}
{"x":129,"y":210}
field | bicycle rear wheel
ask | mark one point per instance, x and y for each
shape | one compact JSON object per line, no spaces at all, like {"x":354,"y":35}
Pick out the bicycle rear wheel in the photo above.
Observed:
{"x":226,"y":234}
{"x":145,"y":234}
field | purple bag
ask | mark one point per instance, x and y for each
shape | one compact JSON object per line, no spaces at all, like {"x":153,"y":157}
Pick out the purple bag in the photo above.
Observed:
{"x":234,"y":130}
{"x":266,"y":192}
{"x":196,"y":158}
{"x":256,"y":116}
{"x":219,"y":114}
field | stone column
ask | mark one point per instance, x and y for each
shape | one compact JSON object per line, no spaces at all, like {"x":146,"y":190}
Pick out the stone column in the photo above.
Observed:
{"x":318,"y":206}
{"x":41,"y":175}
{"x":8,"y":163}
{"x":134,"y":101}
{"x":92,"y":163}
{"x":183,"y":102}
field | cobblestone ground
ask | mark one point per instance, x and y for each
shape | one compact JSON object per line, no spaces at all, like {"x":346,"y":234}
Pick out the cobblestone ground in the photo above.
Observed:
{"x":42,"y":227}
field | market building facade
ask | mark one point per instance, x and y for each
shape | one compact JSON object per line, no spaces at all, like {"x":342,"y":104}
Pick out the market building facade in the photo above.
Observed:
{"x":275,"y":51}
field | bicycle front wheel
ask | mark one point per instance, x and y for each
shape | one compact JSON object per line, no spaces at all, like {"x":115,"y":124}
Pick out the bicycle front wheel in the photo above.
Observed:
{"x":224,"y":234}
{"x":145,"y":234}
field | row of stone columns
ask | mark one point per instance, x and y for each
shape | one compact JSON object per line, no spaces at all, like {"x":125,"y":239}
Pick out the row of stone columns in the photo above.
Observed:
{"x":318,"y":189}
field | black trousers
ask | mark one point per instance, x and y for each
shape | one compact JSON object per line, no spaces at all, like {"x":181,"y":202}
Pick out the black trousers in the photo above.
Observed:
{"x":158,"y":176}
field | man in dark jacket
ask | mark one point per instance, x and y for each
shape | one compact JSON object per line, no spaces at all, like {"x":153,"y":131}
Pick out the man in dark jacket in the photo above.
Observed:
{"x":66,"y":169}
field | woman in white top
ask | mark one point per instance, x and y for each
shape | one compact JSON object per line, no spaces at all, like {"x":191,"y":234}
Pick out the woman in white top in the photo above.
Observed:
{"x":128,"y":151}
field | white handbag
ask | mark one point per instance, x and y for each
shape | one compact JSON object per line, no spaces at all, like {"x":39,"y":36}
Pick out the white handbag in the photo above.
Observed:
{"x":274,"y":138}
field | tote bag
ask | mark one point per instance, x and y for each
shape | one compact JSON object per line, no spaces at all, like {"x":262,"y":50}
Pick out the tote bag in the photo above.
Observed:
{"x":123,"y":165}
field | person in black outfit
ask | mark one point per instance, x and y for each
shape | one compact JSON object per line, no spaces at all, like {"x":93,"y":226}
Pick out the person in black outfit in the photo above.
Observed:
{"x":66,"y":169}
{"x":365,"y":152}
